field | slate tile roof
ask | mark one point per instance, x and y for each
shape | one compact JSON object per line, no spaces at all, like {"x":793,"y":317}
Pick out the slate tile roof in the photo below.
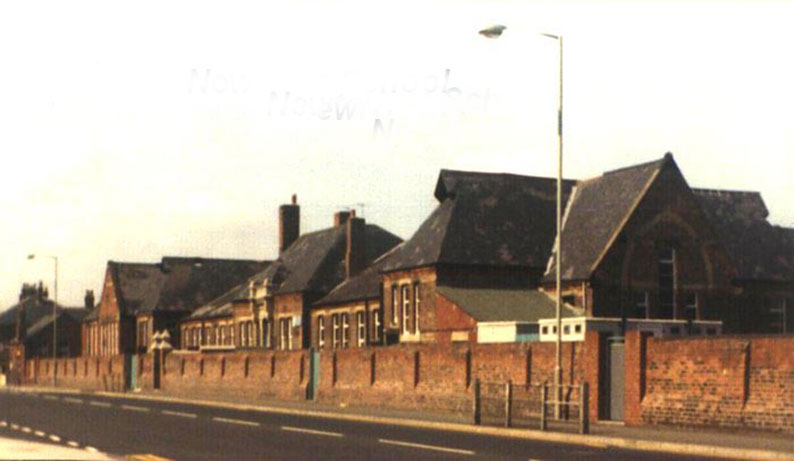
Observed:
{"x":597,"y":210}
{"x":760,"y":250}
{"x":176,"y":283}
{"x":492,"y":219}
{"x":314,"y":263}
{"x":497,"y":305}
{"x":366,"y":285}
{"x":77,"y":314}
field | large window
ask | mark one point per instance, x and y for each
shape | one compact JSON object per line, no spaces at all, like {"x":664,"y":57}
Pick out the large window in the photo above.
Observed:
{"x":345,"y":330}
{"x":336,"y":331}
{"x":361,"y":327}
{"x":666,"y":283}
{"x":417,"y":301}
{"x":320,"y":331}
{"x":285,"y":327}
{"x":394,"y":305}
{"x":406,"y":293}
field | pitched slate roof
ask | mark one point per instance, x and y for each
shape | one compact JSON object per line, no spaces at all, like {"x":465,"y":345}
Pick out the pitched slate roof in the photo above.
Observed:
{"x":501,"y":305}
{"x":176,"y":283}
{"x":315,"y":262}
{"x":365,"y":285}
{"x":485,"y":219}
{"x":35,"y":309}
{"x":75,"y":313}
{"x":598,"y":209}
{"x":760,"y":250}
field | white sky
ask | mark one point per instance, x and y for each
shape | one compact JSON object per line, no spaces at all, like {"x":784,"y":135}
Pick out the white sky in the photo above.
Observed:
{"x":162,"y":128}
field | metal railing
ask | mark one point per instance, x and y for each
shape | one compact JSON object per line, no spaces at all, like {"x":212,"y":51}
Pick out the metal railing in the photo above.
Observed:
{"x":507,"y":403}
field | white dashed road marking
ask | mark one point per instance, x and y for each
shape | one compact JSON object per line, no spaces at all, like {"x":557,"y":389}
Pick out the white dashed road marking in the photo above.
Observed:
{"x":26,"y":430}
{"x":15,"y":427}
{"x":91,"y":449}
{"x":72,"y":400}
{"x":50,"y":397}
{"x":179,"y":413}
{"x":134,"y":408}
{"x":241,"y":422}
{"x":310,"y":431}
{"x":40,"y":433}
{"x":99,"y":404}
{"x":55,"y":438}
{"x":3,"y":424}
{"x":73,"y":444}
{"x":426,"y":447}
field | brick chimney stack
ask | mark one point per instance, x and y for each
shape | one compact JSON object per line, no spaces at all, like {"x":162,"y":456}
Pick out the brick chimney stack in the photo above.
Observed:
{"x":356,"y":255}
{"x":89,"y":299}
{"x":289,"y":224}
{"x":341,"y":217}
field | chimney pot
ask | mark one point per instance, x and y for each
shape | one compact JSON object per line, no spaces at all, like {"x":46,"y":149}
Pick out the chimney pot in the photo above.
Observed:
{"x":288,"y":224}
{"x":341,"y":217}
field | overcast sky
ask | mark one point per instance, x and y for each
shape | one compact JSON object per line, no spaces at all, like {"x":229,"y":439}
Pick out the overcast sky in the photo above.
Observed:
{"x":162,"y":128}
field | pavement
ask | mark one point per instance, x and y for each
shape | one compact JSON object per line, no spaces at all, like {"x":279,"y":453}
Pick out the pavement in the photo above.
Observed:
{"x":729,"y":444}
{"x":24,"y":449}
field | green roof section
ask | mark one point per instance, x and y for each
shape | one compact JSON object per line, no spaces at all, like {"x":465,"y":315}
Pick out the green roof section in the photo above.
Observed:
{"x":505,"y":305}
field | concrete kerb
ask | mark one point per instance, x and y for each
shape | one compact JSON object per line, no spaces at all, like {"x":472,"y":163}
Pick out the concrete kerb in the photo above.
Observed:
{"x":528,"y":434}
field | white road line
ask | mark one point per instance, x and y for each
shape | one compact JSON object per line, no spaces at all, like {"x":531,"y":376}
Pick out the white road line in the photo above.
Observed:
{"x":26,"y":430}
{"x":311,"y":431}
{"x":15,"y":427}
{"x":55,"y":438}
{"x":91,"y":449}
{"x":40,"y":433}
{"x":242,"y":422}
{"x":426,"y":447}
{"x":99,"y":404}
{"x":179,"y":413}
{"x":72,"y":443}
{"x":3,"y":424}
{"x":72,"y":400}
{"x":50,"y":397}
{"x":134,"y":408}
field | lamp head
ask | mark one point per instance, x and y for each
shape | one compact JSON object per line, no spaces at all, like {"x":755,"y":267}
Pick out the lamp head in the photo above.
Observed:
{"x":494,"y":31}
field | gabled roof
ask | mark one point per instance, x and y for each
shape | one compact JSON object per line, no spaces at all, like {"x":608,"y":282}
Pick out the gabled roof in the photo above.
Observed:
{"x":75,"y":313}
{"x":366,"y":285}
{"x":315,"y":262}
{"x":177,"y":284}
{"x":760,"y":250}
{"x":35,"y":309}
{"x":502,"y":305}
{"x":597,"y":211}
{"x":485,"y":219}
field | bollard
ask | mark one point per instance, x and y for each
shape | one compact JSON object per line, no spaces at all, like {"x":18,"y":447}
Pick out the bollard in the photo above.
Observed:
{"x":543,"y":396}
{"x":584,"y":409}
{"x":508,"y":403}
{"x":477,"y":402}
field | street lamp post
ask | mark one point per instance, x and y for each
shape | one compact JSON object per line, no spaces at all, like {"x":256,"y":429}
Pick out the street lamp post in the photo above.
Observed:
{"x":495,"y":32}
{"x":54,"y":317}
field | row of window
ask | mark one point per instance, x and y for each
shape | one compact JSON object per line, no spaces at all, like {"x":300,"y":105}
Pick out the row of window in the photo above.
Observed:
{"x":409,"y":307}
{"x":250,"y":334}
{"x":103,"y":339}
{"x":340,"y":329}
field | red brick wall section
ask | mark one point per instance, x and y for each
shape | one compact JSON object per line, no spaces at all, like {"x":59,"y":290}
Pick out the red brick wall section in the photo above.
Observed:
{"x":728,"y":381}
{"x":85,"y":373}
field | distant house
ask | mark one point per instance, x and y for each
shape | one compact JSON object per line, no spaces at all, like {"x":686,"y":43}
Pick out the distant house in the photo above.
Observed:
{"x":764,"y":258}
{"x":272,"y":308}
{"x":30,"y":322}
{"x":141,"y":298}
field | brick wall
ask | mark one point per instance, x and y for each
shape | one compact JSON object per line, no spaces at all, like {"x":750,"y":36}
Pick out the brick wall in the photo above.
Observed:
{"x":85,"y":373}
{"x":735,"y":381}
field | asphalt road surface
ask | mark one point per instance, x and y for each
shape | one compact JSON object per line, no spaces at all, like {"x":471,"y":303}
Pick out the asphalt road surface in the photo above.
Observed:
{"x":124,"y":426}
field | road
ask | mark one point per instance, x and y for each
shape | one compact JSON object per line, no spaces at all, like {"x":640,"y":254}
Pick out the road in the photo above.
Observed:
{"x":129,"y":426}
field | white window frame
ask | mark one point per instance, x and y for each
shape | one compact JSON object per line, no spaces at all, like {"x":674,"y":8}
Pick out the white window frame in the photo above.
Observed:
{"x":361,"y":327}
{"x":417,"y":302}
{"x":320,"y":331}
{"x":335,"y":338}
{"x":345,"y":330}
{"x":645,"y":304}
{"x":691,"y":307}
{"x":395,"y":301}
{"x":377,"y":324}
{"x":405,"y":291}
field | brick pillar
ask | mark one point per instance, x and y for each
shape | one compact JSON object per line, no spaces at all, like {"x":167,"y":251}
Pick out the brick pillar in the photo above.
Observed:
{"x":635,"y":357}
{"x":593,"y":356}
